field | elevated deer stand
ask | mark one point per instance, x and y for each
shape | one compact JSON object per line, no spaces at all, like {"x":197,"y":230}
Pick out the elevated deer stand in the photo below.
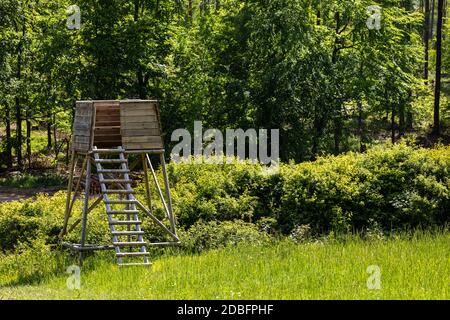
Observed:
{"x":104,"y":134}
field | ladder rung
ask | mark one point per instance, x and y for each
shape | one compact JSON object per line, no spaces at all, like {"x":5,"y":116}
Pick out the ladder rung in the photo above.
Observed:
{"x":117,"y":191}
{"x":127,"y":233}
{"x":130,"y":244}
{"x":116,"y":181}
{"x":113,"y":171}
{"x":135,"y":264}
{"x":169,"y":243}
{"x":110,"y":160}
{"x":127,"y":222}
{"x":107,"y":150}
{"x":131,"y":254}
{"x":122,"y":212}
{"x":107,"y":127}
{"x":121,"y":201}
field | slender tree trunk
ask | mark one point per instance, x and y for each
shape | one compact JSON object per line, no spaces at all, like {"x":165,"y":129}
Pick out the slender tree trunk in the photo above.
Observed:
{"x":28,"y":140}
{"x":55,"y":148}
{"x":337,"y":134}
{"x":17,"y":100}
{"x":401,"y":118}
{"x":409,"y":116}
{"x":409,"y":120}
{"x":432,"y":19}
{"x":18,"y":134}
{"x":8,"y":137}
{"x":49,"y":131}
{"x":190,"y":10}
{"x":317,"y":133}
{"x":437,"y":88}
{"x":426,"y":38}
{"x":338,"y":117}
{"x":393,"y":123}
{"x":361,"y":129}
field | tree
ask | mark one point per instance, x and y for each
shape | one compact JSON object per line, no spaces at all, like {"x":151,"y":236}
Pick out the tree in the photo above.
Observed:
{"x":437,"y":89}
{"x":426,"y":38}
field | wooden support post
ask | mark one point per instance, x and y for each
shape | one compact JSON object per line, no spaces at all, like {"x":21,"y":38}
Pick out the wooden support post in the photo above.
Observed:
{"x":147,"y":183}
{"x":158,"y":187}
{"x":159,"y":223}
{"x":86,"y":206}
{"x":92,"y":207}
{"x":73,"y":160}
{"x":75,"y":191}
{"x":169,"y":198}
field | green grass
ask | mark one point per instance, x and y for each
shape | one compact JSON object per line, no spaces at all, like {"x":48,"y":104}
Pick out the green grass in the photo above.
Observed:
{"x":415,"y":267}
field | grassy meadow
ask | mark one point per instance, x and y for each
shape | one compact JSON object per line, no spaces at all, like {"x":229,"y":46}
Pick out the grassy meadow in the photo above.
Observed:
{"x":411,"y":267}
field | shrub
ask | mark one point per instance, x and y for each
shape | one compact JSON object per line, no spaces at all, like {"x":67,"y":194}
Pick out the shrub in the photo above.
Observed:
{"x":213,"y":234}
{"x":32,"y":262}
{"x":42,"y":218}
{"x":397,"y":187}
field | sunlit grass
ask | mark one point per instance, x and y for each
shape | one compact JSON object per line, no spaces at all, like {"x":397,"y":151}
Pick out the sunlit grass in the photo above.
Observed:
{"x":414,"y":268}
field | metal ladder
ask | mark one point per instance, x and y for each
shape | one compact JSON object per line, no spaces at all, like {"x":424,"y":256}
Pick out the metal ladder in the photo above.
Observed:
{"x":131,"y":237}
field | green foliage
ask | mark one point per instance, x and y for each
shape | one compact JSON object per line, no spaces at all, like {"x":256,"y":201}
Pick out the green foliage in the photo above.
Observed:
{"x":29,"y":181}
{"x":212,"y":235}
{"x":396,"y":187}
{"x":31,"y":263}
{"x":41,"y":218}
{"x":399,"y":187}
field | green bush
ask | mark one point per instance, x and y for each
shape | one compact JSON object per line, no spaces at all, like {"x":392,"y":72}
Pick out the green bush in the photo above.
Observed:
{"x":42,"y":218}
{"x":32,"y":262}
{"x":213,"y":234}
{"x":29,"y":181}
{"x":398,"y":187}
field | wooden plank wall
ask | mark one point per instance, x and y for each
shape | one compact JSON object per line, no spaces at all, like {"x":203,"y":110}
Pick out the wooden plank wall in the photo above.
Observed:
{"x":107,"y":124}
{"x":82,"y":126}
{"x":140,"y":125}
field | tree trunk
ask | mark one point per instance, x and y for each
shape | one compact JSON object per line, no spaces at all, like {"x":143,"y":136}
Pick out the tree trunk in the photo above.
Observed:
{"x":409,"y":120}
{"x":337,"y":134}
{"x":426,"y":38}
{"x":18,"y":143}
{"x":28,"y":140}
{"x":401,"y":118}
{"x":437,"y":88}
{"x":393,"y":123}
{"x":8,"y":137}
{"x":55,"y":148}
{"x":49,"y":131}
{"x":432,"y":19}
{"x":361,"y":133}
{"x":337,"y":118}
{"x":318,"y":129}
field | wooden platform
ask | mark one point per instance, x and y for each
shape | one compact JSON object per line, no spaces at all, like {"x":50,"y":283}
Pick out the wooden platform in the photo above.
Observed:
{"x":133,"y":124}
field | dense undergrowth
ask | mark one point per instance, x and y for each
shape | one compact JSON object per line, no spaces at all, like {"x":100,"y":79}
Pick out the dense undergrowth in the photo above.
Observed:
{"x":376,"y":194}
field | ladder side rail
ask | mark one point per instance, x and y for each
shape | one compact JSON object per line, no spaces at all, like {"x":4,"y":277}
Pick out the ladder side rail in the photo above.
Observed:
{"x":133,"y":205}
{"x":107,"y":204}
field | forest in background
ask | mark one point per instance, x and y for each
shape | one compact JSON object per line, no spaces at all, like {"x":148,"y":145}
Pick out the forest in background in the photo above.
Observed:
{"x":321,"y":71}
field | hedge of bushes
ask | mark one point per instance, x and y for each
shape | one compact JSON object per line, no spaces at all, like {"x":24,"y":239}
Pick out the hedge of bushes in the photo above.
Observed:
{"x":392,"y":187}
{"x":399,"y":187}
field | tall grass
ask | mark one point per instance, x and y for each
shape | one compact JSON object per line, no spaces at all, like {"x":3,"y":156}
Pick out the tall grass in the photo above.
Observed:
{"x":415,"y":266}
